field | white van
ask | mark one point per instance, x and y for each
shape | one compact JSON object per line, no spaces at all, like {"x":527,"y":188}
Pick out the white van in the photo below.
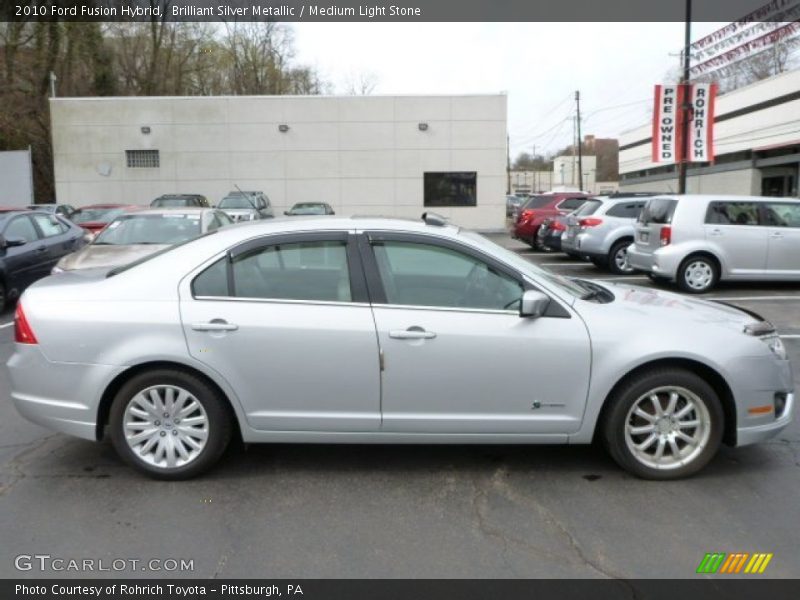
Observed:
{"x":698,"y":240}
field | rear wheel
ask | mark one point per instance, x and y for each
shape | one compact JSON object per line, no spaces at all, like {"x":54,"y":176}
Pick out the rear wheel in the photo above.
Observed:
{"x":618,"y":258}
{"x":698,"y":274}
{"x":663,"y":424}
{"x":169,"y":424}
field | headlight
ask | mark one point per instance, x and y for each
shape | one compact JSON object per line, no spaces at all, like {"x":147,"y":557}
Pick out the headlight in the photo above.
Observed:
{"x":776,"y":345}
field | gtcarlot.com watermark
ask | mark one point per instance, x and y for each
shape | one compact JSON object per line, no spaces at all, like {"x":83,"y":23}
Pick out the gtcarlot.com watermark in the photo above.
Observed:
{"x":59,"y":564}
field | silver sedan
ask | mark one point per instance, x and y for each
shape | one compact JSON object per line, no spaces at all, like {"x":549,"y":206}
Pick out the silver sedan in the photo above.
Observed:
{"x":336,"y":330}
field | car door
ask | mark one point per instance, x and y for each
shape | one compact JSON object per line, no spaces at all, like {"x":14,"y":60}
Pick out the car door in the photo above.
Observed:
{"x":58,"y":238}
{"x":782,"y":221}
{"x":457,"y":357}
{"x":734,"y":229}
{"x":23,"y":263}
{"x":285,"y":320}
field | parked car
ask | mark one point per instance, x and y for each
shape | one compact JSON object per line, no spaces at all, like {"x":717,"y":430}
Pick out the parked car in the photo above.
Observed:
{"x":602,"y":229}
{"x":62,"y":210}
{"x":539,"y":207}
{"x":95,"y":217}
{"x":135,"y":235}
{"x":180,"y":201}
{"x":699,"y":240}
{"x":30,"y":244}
{"x":246,"y":206}
{"x":407,"y":329}
{"x":548,"y":236}
{"x":309,"y":208}
{"x":513,"y":202}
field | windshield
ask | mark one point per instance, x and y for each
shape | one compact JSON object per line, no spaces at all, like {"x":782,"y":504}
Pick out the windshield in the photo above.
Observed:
{"x":308,"y":209}
{"x":236,"y":202}
{"x":536,"y":201}
{"x":588,"y":208}
{"x":104,"y":215}
{"x":173,"y":201}
{"x":515,"y":260}
{"x":149,"y":229}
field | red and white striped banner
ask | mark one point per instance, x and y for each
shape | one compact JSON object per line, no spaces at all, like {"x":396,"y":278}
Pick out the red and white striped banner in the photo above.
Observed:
{"x":668,"y":115}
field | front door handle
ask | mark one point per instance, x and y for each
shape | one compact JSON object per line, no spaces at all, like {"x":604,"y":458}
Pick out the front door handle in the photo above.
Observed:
{"x":215,"y":325}
{"x":776,"y":235}
{"x":715,"y":232}
{"x":412,"y":333}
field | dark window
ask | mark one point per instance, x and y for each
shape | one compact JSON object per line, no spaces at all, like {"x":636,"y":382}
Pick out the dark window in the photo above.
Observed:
{"x":625,"y":210}
{"x":451,"y":189}
{"x":732,"y":213}
{"x":588,"y":208}
{"x":536,"y":201}
{"x":213,"y":281}
{"x":298,"y":271}
{"x":571,"y":203}
{"x":21,"y":227}
{"x":144,"y":159}
{"x":658,"y":210}
{"x":781,"y":214}
{"x":428,"y":275}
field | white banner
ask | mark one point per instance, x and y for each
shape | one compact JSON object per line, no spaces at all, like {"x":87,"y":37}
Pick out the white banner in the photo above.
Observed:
{"x":665,"y":123}
{"x":668,"y":115}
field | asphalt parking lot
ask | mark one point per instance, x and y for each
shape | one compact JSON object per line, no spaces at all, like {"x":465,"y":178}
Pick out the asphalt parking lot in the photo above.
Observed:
{"x":292,"y":511}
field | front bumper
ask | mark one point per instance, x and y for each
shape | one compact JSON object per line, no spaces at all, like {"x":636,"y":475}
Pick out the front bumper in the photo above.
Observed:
{"x":60,"y":396}
{"x":752,"y":434}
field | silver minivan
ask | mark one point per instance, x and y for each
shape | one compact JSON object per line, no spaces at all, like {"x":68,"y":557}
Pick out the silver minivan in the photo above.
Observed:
{"x":698,"y":240}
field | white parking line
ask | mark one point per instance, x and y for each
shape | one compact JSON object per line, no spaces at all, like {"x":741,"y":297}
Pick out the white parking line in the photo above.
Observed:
{"x":790,"y":336}
{"x":628,"y":278}
{"x":4,"y":325}
{"x":756,"y":298}
{"x":587,"y":265}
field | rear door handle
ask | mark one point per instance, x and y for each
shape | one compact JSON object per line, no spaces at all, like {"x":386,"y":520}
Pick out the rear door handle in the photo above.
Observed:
{"x":215,"y":325}
{"x":412,"y":333}
{"x":42,"y":249}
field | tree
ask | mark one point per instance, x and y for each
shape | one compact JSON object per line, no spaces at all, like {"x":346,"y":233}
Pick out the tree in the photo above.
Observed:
{"x":528,"y":162}
{"x":360,"y":84}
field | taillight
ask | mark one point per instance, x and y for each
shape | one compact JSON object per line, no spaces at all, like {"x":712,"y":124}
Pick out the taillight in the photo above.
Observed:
{"x":589,"y":222}
{"x":558,"y":226}
{"x":665,"y":237}
{"x":525,"y":214}
{"x":23,"y":334}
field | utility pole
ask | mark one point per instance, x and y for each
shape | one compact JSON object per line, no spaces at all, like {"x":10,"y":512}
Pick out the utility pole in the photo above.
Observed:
{"x":535,"y":182}
{"x":686,"y":105}
{"x":580,"y":152}
{"x":53,"y":79}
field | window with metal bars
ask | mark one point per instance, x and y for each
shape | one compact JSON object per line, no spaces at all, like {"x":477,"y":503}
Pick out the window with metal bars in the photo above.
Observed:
{"x":142,"y":159}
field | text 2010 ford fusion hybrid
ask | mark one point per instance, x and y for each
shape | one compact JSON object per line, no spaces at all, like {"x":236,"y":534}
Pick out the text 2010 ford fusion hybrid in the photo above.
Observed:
{"x":364,"y":330}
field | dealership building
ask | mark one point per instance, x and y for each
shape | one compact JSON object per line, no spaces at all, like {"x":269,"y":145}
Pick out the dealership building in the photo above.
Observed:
{"x":384,"y":155}
{"x":756,"y":139}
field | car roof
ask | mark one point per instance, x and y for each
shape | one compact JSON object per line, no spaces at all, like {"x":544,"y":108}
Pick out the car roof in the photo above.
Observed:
{"x":728,"y":197}
{"x":188,"y":210}
{"x":109,"y":206}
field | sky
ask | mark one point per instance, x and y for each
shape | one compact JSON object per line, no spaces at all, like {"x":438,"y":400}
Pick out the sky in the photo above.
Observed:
{"x":538,"y":65}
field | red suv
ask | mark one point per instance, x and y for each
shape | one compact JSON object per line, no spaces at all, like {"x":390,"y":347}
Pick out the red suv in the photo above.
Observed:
{"x":538,"y":208}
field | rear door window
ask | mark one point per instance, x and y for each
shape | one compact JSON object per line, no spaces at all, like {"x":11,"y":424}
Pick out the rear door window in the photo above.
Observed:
{"x":537,"y":201}
{"x":732,"y":213}
{"x":571,"y":203}
{"x":658,"y":210}
{"x":49,"y":225}
{"x":626,"y":210}
{"x":781,"y":214}
{"x":588,"y":208}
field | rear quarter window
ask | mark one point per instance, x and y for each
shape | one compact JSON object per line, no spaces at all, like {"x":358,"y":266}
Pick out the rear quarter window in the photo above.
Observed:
{"x":658,"y":210}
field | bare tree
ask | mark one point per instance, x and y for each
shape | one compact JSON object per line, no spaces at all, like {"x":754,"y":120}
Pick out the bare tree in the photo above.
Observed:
{"x":362,"y":83}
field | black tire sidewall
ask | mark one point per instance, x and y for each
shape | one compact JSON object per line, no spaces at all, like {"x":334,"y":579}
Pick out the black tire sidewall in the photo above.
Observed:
{"x":613,"y":426}
{"x":219,"y":422}
{"x":612,"y":263}
{"x":681,"y":278}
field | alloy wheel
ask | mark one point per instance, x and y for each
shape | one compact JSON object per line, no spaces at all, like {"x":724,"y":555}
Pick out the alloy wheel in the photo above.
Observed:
{"x":165,"y":426}
{"x":667,"y":427}
{"x":621,"y":260}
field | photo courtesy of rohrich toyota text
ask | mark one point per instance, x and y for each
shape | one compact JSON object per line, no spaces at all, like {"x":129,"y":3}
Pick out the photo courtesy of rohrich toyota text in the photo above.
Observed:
{"x":418,"y":299}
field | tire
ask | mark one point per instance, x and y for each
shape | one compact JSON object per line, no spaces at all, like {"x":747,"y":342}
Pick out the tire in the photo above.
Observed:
{"x":600,"y":263}
{"x":618,"y":258}
{"x":698,"y":274}
{"x":693,"y":394}
{"x":3,"y":297}
{"x":657,"y":280}
{"x":193,"y":448}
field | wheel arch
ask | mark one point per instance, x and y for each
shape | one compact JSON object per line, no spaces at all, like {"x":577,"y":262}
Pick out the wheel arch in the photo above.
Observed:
{"x":107,"y":398}
{"x":705,"y":254}
{"x":707,"y":373}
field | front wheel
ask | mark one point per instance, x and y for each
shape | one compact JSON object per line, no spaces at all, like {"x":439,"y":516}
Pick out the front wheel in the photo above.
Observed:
{"x":169,"y":424}
{"x":697,"y":274}
{"x":663,"y":424}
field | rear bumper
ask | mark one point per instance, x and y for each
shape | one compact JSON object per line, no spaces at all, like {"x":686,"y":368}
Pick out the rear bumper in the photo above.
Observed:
{"x":662,"y":262}
{"x":60,"y":396}
{"x":584,"y":244}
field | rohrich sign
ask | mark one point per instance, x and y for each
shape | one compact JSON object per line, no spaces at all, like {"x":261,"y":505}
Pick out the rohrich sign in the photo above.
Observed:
{"x":668,"y":115}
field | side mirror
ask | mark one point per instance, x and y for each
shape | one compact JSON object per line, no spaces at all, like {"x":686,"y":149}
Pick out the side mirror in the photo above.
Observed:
{"x":533,"y":304}
{"x":11,"y":242}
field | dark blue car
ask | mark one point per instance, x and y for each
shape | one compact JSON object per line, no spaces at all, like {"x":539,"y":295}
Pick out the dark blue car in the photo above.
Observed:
{"x":31,"y":243}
